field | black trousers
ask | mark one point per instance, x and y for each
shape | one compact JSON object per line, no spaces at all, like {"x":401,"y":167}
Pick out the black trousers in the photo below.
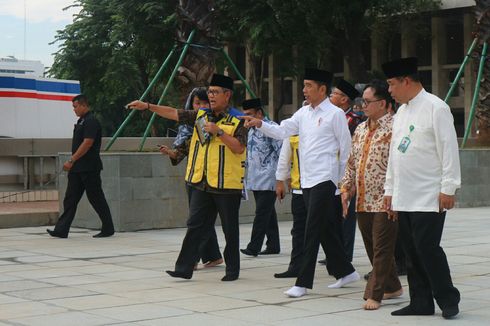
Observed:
{"x":322,"y":225}
{"x":427,"y":268}
{"x":265,"y":222}
{"x":78,"y":183}
{"x":349,"y":229}
{"x":209,"y":247}
{"x":298,"y":208}
{"x":201,"y":220}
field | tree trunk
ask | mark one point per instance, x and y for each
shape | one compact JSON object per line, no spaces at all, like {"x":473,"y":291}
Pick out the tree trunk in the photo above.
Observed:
{"x":256,"y":78}
{"x":482,"y":14}
{"x":199,"y":63}
{"x":353,"y":53}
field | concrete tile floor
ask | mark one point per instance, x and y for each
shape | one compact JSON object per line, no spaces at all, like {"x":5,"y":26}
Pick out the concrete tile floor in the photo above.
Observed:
{"x":120,"y":281}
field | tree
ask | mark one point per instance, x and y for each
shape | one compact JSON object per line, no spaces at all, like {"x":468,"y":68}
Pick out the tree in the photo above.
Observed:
{"x":482,"y":13}
{"x":114,"y":47}
{"x":198,"y":65}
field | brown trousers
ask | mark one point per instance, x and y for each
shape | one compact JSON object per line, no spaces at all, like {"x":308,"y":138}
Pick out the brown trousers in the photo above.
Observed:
{"x":379,"y":235}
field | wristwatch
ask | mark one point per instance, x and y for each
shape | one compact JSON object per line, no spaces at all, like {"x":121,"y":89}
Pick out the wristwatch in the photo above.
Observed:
{"x":220,"y":133}
{"x":71,"y":161}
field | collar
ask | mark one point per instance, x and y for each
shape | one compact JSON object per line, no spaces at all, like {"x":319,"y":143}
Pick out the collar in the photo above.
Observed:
{"x":418,"y":98}
{"x":82,"y":118}
{"x":381,"y":122}
{"x":325,"y":104}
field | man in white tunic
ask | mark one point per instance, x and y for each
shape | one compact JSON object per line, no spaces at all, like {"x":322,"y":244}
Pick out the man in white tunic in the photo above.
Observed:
{"x":422,"y":177}
{"x":324,"y":146}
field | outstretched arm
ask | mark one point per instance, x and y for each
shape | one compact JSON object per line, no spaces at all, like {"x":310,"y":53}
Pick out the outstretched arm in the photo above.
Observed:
{"x":163,"y":111}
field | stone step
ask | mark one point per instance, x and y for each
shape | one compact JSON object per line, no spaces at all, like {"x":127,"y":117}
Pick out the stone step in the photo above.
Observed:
{"x":28,"y":196}
{"x":27,"y":214}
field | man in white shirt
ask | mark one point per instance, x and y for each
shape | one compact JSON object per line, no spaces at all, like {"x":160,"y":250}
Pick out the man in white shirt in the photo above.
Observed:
{"x":422,"y":177}
{"x":324,"y":146}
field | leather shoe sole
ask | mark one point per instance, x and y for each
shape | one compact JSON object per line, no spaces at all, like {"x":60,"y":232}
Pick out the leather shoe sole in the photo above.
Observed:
{"x":229,"y":278}
{"x":103,"y":235}
{"x":450,"y":312}
{"x":179,"y":275}
{"x":409,"y":311}
{"x":248,"y":252}
{"x":56,"y":234}
{"x":286,"y":274}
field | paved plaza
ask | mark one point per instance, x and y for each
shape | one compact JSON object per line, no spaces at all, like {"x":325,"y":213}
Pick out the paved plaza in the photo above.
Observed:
{"x":120,"y":281}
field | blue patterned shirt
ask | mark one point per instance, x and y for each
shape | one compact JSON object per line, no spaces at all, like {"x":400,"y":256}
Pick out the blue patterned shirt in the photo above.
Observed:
{"x":262,"y":156}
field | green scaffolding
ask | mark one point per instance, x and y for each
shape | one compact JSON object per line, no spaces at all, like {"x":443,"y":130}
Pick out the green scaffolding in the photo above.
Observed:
{"x":471,"y":116}
{"x":169,"y":83}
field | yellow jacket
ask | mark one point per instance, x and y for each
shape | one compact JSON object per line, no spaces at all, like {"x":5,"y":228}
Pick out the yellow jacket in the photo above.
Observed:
{"x":214,"y":161}
{"x":295,"y":177}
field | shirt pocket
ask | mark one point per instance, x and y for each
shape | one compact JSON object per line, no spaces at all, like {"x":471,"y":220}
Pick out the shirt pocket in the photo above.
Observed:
{"x":422,"y":137}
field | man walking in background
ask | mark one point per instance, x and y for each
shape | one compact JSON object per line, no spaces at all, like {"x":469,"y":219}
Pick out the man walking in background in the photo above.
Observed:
{"x":84,"y":168}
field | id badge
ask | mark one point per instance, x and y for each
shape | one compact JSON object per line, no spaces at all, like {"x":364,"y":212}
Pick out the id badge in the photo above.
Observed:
{"x":404,"y":144}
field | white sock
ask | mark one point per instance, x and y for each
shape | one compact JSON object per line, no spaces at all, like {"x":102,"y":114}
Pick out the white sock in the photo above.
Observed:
{"x":295,"y":292}
{"x":352,"y":277}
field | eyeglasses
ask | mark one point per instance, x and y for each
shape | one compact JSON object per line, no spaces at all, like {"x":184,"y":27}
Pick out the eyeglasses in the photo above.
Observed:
{"x":365,"y":102}
{"x":214,"y":92}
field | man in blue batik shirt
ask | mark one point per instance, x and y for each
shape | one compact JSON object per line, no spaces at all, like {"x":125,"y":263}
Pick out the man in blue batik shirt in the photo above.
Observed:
{"x":262,"y":156}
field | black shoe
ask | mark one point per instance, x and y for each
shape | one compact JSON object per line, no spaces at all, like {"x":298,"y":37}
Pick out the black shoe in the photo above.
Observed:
{"x":248,"y":252}
{"x":409,"y":311}
{"x":323,"y":261}
{"x":179,"y":274}
{"x":269,"y":252}
{"x":450,"y":312}
{"x":56,"y":234}
{"x":367,"y":276}
{"x":228,"y":278}
{"x":103,"y":235}
{"x":286,"y":274}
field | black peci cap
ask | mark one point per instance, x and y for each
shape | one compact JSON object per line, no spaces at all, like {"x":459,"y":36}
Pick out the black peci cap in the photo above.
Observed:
{"x":318,"y":75}
{"x":253,"y":103}
{"x":400,"y":68}
{"x":346,"y":88}
{"x":222,"y":81}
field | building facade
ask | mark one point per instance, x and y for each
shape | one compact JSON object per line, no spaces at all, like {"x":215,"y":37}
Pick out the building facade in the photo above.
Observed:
{"x":12,"y":65}
{"x":447,"y":38}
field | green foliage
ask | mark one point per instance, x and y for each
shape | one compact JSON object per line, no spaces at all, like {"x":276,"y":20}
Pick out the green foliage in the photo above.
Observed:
{"x":110,"y":50}
{"x":115,"y":47}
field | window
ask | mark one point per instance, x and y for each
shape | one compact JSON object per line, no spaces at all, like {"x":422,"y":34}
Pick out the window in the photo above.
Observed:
{"x":454,"y":40}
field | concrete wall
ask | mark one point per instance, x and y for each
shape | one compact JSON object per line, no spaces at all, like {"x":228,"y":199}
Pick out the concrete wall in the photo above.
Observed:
{"x":13,"y":151}
{"x":145,"y":191}
{"x":475,"y":178}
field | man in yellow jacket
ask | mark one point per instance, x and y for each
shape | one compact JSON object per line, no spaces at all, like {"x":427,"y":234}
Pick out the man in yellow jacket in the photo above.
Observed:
{"x":215,"y":171}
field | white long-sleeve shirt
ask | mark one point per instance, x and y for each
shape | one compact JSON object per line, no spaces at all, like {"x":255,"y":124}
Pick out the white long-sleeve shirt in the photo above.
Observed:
{"x":324,"y":141}
{"x":283,"y":171}
{"x":430,"y":164}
